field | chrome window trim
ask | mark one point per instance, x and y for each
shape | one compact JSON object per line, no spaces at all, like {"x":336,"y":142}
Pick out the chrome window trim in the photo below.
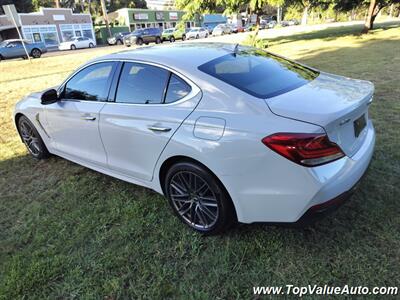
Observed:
{"x":194,"y":92}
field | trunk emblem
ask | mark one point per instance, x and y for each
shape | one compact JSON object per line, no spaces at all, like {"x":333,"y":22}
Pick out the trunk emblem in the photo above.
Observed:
{"x":344,"y":122}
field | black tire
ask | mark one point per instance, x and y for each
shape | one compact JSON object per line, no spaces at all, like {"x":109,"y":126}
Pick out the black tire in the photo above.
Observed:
{"x":31,"y":138}
{"x":183,"y":37}
{"x":91,"y":45}
{"x":208,"y":208}
{"x":206,"y":35}
{"x":139,"y":41}
{"x":119,"y":42}
{"x":197,"y":36}
{"x":36,"y":53}
{"x":158,"y":40}
{"x":171,"y":39}
{"x":73,"y":47}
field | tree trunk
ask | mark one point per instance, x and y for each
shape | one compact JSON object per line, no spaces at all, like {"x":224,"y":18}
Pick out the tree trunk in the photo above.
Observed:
{"x":391,"y":10}
{"x":305,"y":15}
{"x":369,"y":21}
{"x":105,"y":16}
{"x":57,"y":3}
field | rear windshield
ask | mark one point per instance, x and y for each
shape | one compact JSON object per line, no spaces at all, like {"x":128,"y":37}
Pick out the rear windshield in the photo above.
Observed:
{"x":259,"y":73}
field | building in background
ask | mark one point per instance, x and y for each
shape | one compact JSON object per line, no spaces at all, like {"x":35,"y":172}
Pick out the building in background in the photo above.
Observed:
{"x":50,"y":25}
{"x":161,"y":4}
{"x":209,"y":21}
{"x":143,"y":18}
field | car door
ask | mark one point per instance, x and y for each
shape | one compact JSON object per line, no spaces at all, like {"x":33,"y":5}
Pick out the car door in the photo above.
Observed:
{"x":150,"y":104}
{"x":15,"y":49}
{"x":146,"y":36}
{"x":80,"y":43}
{"x":74,"y":119}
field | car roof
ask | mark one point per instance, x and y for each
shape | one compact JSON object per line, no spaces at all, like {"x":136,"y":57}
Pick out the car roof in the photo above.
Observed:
{"x":182,"y":56}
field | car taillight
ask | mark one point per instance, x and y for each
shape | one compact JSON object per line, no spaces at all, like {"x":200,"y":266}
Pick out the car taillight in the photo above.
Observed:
{"x":306,"y":149}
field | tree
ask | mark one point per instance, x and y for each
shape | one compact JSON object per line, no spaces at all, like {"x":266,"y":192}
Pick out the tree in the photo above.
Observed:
{"x":374,"y":7}
{"x":22,"y":6}
{"x":307,"y":5}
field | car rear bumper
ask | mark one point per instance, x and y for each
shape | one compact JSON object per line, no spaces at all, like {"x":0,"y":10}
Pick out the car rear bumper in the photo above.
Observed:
{"x":291,"y":193}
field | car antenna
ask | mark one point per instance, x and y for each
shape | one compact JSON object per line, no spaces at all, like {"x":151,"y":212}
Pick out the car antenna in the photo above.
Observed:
{"x":236,"y":50}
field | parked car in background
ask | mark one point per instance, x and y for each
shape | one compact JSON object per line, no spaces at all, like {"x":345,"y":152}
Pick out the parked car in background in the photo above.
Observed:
{"x":250,"y":27}
{"x":143,"y":36}
{"x":172,"y":34}
{"x":290,"y":22}
{"x":14,"y":49}
{"x":221,"y":29}
{"x":226,"y":133}
{"x":197,"y":33}
{"x":118,"y":38}
{"x":271,"y":24}
{"x":234,"y":28}
{"x":78,"y":42}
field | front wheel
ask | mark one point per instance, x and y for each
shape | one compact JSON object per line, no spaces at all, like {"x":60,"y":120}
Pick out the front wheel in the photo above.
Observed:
{"x":36,"y":53}
{"x":197,"y":36}
{"x":171,"y":39}
{"x":158,"y":40}
{"x":198,"y":198}
{"x":183,"y":37}
{"x":73,"y":47}
{"x":91,"y":45}
{"x":139,"y":42}
{"x":32,"y":139}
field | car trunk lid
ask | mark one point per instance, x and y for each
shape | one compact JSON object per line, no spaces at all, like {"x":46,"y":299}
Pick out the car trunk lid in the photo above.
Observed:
{"x":336,"y":103}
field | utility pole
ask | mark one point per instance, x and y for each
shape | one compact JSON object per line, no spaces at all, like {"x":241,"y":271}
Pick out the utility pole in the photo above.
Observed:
{"x":57,"y":3}
{"x":105,"y":16}
{"x":279,"y":15}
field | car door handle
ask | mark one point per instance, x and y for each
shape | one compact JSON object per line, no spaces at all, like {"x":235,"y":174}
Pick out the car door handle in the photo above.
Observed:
{"x":161,"y":129}
{"x":88,"y":118}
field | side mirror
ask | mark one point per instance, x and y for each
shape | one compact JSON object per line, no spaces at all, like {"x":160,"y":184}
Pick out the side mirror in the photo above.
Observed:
{"x":49,"y":97}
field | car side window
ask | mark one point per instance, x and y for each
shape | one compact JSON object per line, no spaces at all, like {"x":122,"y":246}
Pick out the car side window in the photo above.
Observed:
{"x":141,"y":83}
{"x":91,"y":83}
{"x":177,"y":89}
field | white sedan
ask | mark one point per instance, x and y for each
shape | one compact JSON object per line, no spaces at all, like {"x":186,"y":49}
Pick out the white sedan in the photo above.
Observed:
{"x":226,"y":133}
{"x":197,"y":33}
{"x":77,"y":43}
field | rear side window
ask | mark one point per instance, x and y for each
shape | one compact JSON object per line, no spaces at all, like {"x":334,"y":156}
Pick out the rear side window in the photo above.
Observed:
{"x":177,"y":89}
{"x":259,"y":73}
{"x":143,"y":84}
{"x":90,"y":83}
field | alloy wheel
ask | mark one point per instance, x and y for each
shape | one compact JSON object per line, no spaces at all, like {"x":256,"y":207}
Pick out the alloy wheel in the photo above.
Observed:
{"x":30,"y":138}
{"x":36,"y":53}
{"x":194,"y":200}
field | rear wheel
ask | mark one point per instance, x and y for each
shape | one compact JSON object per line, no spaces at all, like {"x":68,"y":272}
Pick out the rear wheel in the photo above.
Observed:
{"x":73,"y":47}
{"x":158,"y":40}
{"x":119,"y":42}
{"x":183,"y":37}
{"x":36,"y":53}
{"x":198,"y":198}
{"x":197,"y":36}
{"x":171,"y":39}
{"x":139,"y":42}
{"x":91,"y":45}
{"x":32,"y":139}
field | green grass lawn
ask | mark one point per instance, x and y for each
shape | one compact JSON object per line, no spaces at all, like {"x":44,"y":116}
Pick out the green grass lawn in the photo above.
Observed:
{"x":69,"y":232}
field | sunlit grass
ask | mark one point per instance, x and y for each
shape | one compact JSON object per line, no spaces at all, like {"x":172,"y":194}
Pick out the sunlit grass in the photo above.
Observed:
{"x":68,"y":232}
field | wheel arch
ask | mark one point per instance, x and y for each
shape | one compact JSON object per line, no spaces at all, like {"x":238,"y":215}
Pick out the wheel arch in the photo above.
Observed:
{"x":169,"y":162}
{"x":17,"y":116}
